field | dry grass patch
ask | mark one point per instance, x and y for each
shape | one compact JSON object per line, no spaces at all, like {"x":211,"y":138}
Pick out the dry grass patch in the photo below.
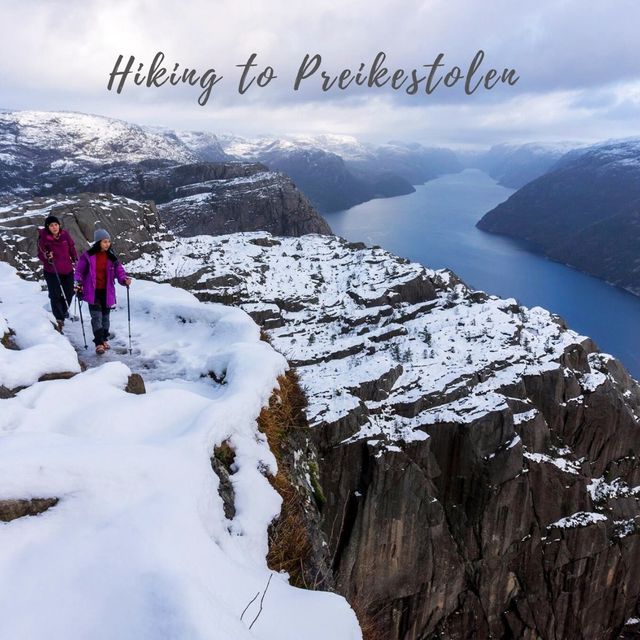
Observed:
{"x":289,"y":538}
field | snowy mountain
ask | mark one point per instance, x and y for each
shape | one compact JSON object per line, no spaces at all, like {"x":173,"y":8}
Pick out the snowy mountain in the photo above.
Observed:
{"x":513,"y":165}
{"x":413,"y":161}
{"x":347,"y":147}
{"x":319,"y":169}
{"x":338,"y":171}
{"x":204,"y":145}
{"x":48,"y":153}
{"x":41,"y":146}
{"x":584,"y":212}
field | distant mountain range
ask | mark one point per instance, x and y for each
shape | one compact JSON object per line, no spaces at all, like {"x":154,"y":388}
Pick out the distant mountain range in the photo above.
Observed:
{"x":513,"y":165}
{"x":197,"y":188}
{"x":45,"y":153}
{"x":338,"y":172}
{"x":576,"y":204}
{"x":584,"y":212}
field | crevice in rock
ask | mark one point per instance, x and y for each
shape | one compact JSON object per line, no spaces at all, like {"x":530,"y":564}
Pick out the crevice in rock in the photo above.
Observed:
{"x":351,"y":508}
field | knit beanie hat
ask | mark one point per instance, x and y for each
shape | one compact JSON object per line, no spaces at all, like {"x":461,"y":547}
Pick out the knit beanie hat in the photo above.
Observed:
{"x":50,"y":220}
{"x":101,"y":234}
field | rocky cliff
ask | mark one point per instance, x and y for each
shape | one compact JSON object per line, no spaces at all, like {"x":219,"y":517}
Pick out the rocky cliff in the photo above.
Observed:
{"x":474,"y":462}
{"x":478,"y":460}
{"x":211,"y":198}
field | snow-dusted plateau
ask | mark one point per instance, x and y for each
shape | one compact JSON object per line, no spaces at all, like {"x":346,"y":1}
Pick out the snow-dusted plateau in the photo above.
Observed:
{"x":457,"y":465}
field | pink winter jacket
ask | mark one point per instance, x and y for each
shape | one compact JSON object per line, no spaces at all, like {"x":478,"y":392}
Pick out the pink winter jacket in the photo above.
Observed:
{"x":86,"y":275}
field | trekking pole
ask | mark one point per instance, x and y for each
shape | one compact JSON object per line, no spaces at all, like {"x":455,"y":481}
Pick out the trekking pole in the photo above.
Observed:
{"x":129,"y":318}
{"x":84,"y":337}
{"x":64,"y":295}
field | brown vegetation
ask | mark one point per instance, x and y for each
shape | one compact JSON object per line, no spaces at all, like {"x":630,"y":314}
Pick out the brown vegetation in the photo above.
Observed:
{"x":289,"y":543}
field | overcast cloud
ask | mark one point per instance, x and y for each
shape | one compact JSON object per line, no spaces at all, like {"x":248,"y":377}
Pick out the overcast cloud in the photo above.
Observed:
{"x":578,"y":63}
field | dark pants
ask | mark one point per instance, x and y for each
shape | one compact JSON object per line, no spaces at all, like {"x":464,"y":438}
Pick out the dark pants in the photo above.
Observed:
{"x":100,"y":317}
{"x":59,"y":304}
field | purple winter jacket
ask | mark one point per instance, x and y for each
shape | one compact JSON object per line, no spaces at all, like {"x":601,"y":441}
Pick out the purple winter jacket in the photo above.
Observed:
{"x":86,"y":275}
{"x":63,"y":250}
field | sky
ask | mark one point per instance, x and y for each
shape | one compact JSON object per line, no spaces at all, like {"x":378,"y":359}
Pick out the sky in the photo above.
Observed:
{"x":577,"y":64}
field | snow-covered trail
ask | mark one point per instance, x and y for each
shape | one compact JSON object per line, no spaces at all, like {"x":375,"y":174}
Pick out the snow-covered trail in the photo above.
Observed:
{"x":138,"y":546}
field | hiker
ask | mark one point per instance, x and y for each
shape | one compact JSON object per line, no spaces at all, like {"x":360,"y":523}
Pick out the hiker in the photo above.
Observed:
{"x":58,"y":255}
{"x":96,"y":272}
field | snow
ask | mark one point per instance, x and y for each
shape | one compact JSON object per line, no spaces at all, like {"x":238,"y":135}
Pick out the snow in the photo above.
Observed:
{"x":347,"y":147}
{"x":521,"y":418}
{"x":41,"y":350}
{"x":578,"y":519}
{"x":599,"y":489}
{"x":568,"y":466}
{"x":138,"y":545}
{"x":341,"y":311}
{"x":32,"y":210}
{"x":86,"y":138}
{"x":624,"y":528}
{"x":591,"y":381}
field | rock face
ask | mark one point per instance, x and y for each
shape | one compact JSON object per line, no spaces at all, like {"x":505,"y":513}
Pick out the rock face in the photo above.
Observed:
{"x":134,"y":226}
{"x":585,"y":212}
{"x":208,"y":198}
{"x":13,"y":509}
{"x":252,"y":199}
{"x":479,"y":461}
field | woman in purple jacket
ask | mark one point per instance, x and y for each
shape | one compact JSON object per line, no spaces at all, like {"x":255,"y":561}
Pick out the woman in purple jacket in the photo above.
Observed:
{"x":58,"y":255}
{"x":97,"y":270}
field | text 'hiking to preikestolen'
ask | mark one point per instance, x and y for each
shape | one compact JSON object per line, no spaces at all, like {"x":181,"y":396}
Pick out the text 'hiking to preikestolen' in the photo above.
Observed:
{"x":423,"y":79}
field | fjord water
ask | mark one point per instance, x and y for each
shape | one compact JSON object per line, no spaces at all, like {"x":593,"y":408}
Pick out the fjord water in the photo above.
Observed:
{"x":436,"y":227}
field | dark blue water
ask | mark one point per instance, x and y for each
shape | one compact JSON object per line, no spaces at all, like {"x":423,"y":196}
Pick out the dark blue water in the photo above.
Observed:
{"x":436,"y":227}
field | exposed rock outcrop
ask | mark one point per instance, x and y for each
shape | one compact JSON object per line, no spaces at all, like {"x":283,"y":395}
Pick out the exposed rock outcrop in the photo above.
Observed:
{"x":254,"y":199}
{"x":135,"y":226}
{"x":13,"y":509}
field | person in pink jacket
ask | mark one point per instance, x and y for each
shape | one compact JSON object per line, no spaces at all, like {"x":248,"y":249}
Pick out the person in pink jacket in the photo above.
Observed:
{"x":57,"y":252}
{"x":96,"y":273}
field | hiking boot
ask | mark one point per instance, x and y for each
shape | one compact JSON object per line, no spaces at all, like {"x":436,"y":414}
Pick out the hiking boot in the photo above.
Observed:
{"x":106,"y":345}
{"x":100,"y":349}
{"x":59,"y":325}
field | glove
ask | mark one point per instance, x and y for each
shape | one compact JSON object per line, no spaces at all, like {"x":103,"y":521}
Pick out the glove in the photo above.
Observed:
{"x":77,"y":287}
